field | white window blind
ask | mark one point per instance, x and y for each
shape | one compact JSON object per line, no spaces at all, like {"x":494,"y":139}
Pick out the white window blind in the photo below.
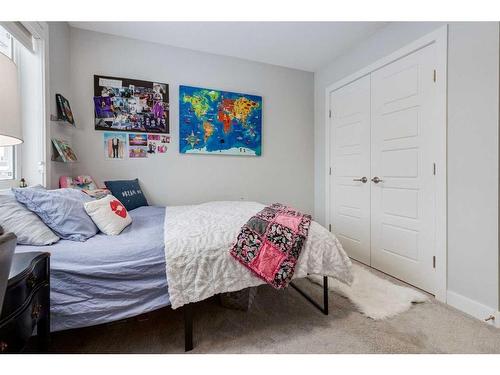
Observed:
{"x":5,"y":42}
{"x":20,"y":33}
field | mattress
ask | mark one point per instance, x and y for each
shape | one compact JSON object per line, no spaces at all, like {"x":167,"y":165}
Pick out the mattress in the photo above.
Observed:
{"x":108,"y":278}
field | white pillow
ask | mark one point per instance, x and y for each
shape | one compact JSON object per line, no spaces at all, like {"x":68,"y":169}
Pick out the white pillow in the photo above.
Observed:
{"x":108,"y":214}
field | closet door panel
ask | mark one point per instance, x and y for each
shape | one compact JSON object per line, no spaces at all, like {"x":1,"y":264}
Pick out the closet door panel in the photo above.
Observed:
{"x":402,"y":203}
{"x":350,"y":161}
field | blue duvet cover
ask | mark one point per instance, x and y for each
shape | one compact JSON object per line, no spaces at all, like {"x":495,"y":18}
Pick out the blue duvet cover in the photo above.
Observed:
{"x":108,"y":278}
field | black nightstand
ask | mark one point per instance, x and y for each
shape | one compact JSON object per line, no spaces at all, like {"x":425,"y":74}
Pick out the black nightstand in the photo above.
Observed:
{"x":27,"y":303}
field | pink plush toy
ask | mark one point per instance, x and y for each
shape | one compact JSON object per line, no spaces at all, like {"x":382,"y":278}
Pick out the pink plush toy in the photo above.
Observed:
{"x":83,"y":183}
{"x":78,"y":182}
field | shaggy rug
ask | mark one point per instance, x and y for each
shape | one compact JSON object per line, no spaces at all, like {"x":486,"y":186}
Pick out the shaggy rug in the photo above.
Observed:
{"x":375,"y":297}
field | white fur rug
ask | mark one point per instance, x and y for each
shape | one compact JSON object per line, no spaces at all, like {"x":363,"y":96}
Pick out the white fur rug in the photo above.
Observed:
{"x":374,"y":296}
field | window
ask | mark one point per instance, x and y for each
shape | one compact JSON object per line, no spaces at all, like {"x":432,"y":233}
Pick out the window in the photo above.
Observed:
{"x":7,"y":165}
{"x":5,"y":42}
{"x":25,"y":43}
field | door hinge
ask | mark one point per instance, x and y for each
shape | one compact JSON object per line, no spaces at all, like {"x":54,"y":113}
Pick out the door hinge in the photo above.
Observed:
{"x":434,"y":169}
{"x":330,"y":171}
{"x":434,"y":75}
{"x":330,"y":113}
{"x":330,"y":227}
{"x":434,"y":261}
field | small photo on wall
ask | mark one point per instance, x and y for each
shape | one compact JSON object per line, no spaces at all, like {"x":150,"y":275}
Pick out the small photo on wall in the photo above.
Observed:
{"x":115,"y":145}
{"x":157,"y":144}
{"x":152,"y":147}
{"x":161,"y":149}
{"x":137,"y":146}
{"x":154,"y":137}
{"x":136,"y":139}
{"x":137,"y":152}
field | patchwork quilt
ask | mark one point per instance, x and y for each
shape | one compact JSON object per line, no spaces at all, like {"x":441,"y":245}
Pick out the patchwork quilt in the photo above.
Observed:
{"x":270,"y":243}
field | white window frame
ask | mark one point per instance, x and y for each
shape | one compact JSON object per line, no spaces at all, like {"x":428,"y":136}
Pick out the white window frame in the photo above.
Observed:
{"x":10,"y":182}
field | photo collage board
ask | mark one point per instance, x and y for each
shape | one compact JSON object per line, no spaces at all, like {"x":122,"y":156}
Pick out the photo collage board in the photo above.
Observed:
{"x":134,"y":115}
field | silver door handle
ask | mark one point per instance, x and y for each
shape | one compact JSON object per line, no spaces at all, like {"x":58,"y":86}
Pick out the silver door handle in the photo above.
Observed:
{"x":363,"y":179}
{"x":376,"y":180}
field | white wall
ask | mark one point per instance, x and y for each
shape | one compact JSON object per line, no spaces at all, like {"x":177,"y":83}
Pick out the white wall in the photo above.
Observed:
{"x":59,"y":83}
{"x":379,"y":45}
{"x":473,"y":100}
{"x":284,"y":172}
{"x":473,"y":67}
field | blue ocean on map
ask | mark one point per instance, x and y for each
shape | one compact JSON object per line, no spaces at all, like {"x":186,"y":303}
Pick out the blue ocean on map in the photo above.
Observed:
{"x":219,"y":122}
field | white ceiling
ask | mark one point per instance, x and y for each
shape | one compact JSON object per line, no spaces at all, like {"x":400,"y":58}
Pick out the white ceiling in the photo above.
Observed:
{"x":300,"y":45}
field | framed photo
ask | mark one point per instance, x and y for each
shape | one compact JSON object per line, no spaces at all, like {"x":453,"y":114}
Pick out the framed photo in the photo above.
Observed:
{"x":63,"y":151}
{"x":130,"y":105}
{"x":64,"y":110}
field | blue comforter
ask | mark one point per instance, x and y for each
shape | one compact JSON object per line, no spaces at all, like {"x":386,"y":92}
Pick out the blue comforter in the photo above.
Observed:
{"x":108,"y":278}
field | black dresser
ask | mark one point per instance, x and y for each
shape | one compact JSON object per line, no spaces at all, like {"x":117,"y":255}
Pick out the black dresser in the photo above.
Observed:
{"x":27,"y":303}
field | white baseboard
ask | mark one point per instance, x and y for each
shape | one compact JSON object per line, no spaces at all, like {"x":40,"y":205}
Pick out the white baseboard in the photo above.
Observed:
{"x":473,"y":308}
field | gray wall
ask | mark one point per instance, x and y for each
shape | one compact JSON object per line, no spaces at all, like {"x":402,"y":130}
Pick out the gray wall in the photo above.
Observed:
{"x":283,"y":173}
{"x":473,"y":53}
{"x":60,"y":83}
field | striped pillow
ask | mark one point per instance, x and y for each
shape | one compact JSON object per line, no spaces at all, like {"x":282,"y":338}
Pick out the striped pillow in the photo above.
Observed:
{"x":27,"y":226}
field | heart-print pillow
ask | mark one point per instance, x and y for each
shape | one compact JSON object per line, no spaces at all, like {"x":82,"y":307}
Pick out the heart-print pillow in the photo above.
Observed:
{"x":118,"y":208}
{"x":109,"y":214}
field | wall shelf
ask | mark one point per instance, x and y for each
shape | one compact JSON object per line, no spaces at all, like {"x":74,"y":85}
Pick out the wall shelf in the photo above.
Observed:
{"x":54,"y":118}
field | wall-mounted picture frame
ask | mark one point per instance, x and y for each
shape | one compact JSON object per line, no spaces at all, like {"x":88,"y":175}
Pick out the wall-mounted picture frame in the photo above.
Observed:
{"x":64,"y":112}
{"x":219,"y":122}
{"x":131,"y":105}
{"x":62,"y":151}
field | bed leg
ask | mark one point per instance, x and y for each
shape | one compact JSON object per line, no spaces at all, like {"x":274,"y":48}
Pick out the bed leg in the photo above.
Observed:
{"x":188,"y":327}
{"x":325,"y":295}
{"x":324,"y":308}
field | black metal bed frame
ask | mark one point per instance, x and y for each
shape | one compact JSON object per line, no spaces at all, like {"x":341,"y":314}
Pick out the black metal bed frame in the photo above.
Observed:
{"x":188,"y":312}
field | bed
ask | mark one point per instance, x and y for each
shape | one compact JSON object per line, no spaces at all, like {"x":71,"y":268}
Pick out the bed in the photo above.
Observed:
{"x":109,"y":278}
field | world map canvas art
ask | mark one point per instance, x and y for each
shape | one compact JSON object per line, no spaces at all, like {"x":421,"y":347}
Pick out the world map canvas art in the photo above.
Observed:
{"x":219,"y":122}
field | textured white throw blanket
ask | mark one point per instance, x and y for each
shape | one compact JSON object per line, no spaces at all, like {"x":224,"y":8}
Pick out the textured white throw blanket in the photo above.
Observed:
{"x":197,"y":242}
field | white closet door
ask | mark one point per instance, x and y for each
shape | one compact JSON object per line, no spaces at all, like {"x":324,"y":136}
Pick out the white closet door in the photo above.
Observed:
{"x":350,"y":162}
{"x":403,"y":203}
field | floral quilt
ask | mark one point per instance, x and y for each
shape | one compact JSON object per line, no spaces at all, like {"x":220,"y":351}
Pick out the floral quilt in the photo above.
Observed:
{"x":270,"y":243}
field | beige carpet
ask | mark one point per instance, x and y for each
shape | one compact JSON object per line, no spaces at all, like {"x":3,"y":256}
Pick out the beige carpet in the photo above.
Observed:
{"x":283,"y":322}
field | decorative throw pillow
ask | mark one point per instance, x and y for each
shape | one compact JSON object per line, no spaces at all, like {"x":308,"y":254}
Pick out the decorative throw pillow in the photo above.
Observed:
{"x":28,"y":227}
{"x":109,"y":214}
{"x":61,"y":210}
{"x":128,"y":192}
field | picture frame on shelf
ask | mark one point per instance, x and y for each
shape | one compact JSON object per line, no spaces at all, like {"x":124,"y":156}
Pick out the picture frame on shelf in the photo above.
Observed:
{"x":63,"y":152}
{"x":64,"y":112}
